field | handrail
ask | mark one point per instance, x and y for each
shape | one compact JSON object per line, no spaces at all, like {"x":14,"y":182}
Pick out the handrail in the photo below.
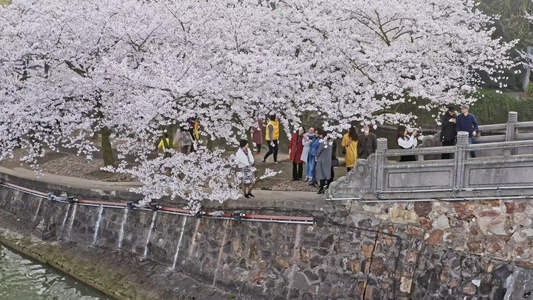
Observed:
{"x":524,"y":136}
{"x":503,"y":145}
{"x":424,"y":151}
{"x":523,"y":124}
{"x":451,"y":149}
{"x":490,"y":139}
{"x":490,"y":127}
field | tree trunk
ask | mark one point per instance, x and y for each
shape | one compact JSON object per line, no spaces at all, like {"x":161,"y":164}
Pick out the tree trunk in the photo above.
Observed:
{"x":107,"y":151}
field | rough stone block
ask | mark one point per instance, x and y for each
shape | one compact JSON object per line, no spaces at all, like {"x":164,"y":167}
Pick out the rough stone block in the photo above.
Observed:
{"x":237,"y":248}
{"x":377,"y":267}
{"x":411,"y":256}
{"x":253,"y":250}
{"x":262,"y":265}
{"x":519,"y":285}
{"x":406,"y":284}
{"x":434,"y":237}
{"x":316,"y":261}
{"x":423,"y":209}
{"x":282,"y":263}
{"x":367,"y":250}
{"x":303,"y":254}
{"x":355,"y":266}
{"x":411,"y":230}
{"x":442,"y":222}
{"x":258,"y":277}
{"x":300,"y":282}
{"x":492,"y":221}
{"x":43,"y":231}
{"x":514,"y":207}
{"x":464,"y":210}
{"x":425,"y":224}
{"x":403,"y":216}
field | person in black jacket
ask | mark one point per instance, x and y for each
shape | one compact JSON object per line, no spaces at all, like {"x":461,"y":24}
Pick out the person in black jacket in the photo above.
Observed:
{"x":448,"y":133}
{"x":368,"y":143}
{"x":334,"y":161}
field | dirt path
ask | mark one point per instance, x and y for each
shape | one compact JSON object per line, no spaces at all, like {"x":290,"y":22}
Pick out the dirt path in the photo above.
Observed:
{"x":84,"y":173}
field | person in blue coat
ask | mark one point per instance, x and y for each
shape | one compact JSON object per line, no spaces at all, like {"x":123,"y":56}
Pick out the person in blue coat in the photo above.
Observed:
{"x":467,"y":122}
{"x":308,"y":138}
{"x":311,"y":157}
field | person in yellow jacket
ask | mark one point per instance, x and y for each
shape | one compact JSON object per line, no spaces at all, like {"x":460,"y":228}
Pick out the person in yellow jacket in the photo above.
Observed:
{"x":272,"y":136}
{"x":166,"y":139}
{"x":349,"y":143}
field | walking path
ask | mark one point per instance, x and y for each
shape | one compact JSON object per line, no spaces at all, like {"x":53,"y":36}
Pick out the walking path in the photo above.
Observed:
{"x":74,"y":182}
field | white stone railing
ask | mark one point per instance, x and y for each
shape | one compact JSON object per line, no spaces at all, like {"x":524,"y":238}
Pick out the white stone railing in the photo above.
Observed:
{"x":504,"y":168}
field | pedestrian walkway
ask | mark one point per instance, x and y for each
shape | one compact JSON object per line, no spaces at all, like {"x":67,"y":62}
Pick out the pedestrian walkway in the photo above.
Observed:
{"x":81,"y":183}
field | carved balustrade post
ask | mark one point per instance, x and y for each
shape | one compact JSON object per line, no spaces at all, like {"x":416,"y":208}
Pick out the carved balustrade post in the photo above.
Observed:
{"x":461,"y":155}
{"x":381,"y":161}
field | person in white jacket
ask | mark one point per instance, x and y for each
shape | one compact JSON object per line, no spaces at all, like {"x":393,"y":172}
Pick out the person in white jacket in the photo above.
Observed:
{"x":245,"y":160}
{"x":406,"y":141}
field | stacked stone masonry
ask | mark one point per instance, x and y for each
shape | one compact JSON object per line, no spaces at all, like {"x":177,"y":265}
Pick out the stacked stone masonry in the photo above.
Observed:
{"x":422,"y":250}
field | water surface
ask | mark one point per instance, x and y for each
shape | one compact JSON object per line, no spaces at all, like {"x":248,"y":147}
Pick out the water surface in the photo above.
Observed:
{"x":22,"y":278}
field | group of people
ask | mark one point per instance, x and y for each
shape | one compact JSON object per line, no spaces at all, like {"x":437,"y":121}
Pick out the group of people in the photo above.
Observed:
{"x":314,"y":148}
{"x":318,"y":149}
{"x":184,"y":137}
{"x":318,"y":152}
{"x":358,"y":145}
{"x":452,"y":123}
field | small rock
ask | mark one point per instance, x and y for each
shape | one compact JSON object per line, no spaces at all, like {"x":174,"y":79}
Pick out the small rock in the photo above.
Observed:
{"x":470,"y":289}
{"x":441,"y":223}
{"x":502,"y":272}
{"x":282,"y":262}
{"x":403,"y":216}
{"x":423,"y":209}
{"x":258,"y":277}
{"x":300,"y":282}
{"x":434,"y":237}
{"x":406,"y":284}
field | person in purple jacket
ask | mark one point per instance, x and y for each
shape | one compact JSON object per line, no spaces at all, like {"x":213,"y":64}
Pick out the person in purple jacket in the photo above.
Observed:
{"x":467,"y":122}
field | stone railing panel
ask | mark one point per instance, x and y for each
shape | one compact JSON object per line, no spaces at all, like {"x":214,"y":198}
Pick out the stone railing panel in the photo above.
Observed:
{"x":500,"y":173}
{"x":418,"y":178}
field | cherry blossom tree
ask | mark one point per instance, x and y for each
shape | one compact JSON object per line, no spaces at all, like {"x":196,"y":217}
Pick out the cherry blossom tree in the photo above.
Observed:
{"x":370,"y":56}
{"x":528,"y":57}
{"x":133,"y":70}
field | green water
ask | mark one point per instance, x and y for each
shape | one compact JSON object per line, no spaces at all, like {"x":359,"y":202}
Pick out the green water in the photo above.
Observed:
{"x":22,"y":278}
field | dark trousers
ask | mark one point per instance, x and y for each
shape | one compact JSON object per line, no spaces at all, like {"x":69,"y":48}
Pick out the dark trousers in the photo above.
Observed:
{"x":348,"y":169}
{"x":272,"y":150}
{"x":322,"y":183}
{"x":330,"y":180}
{"x":297,"y":170}
{"x":471,"y":141}
{"x":258,"y":147}
{"x":193,"y":149}
{"x":447,"y":155}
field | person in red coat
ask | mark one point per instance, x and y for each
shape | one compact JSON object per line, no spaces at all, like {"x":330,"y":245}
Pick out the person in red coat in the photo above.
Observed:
{"x":258,"y":135}
{"x":296,"y":148}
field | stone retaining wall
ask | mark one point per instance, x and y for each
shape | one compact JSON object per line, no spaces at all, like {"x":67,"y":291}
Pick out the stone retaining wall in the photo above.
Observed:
{"x":364,"y":252}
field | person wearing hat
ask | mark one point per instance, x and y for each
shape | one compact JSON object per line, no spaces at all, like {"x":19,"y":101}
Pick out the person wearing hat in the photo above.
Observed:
{"x":448,"y":132}
{"x":467,"y":122}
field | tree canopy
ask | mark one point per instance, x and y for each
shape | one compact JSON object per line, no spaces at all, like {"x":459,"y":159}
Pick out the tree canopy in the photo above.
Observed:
{"x":140,"y":66}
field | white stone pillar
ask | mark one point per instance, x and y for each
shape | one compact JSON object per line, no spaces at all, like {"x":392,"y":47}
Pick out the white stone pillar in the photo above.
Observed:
{"x":381,"y":161}
{"x":461,"y":155}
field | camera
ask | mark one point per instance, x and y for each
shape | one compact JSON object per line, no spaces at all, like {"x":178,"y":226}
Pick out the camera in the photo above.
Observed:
{"x":419,"y":131}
